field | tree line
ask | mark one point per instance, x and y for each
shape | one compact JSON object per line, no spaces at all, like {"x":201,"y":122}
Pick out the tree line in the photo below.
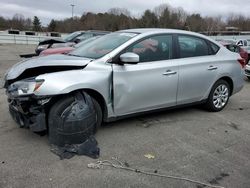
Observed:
{"x":163,"y":16}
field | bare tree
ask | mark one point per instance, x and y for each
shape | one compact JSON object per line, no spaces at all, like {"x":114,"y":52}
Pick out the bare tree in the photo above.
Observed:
{"x":119,"y":11}
{"x":164,"y":16}
{"x":160,"y":9}
{"x":18,"y":22}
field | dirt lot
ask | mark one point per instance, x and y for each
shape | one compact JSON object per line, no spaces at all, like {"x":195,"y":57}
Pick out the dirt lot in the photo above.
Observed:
{"x":189,"y":142}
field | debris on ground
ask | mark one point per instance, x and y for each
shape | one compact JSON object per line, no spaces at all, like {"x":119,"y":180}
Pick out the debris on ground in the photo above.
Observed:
{"x":149,"y":156}
{"x":88,"y":148}
{"x":115,"y":163}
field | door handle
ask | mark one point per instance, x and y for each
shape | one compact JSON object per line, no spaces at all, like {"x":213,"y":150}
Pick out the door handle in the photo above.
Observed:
{"x":169,"y":72}
{"x":212,"y":67}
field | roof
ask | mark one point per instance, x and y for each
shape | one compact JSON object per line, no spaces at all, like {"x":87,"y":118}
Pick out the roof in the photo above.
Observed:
{"x":162,"y":30}
{"x":146,"y":30}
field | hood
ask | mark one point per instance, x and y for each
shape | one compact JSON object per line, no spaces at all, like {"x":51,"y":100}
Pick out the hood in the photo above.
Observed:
{"x":45,"y":61}
{"x":51,"y":41}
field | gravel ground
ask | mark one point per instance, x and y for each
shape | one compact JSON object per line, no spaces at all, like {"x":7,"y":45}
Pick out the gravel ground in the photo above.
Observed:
{"x":189,"y":142}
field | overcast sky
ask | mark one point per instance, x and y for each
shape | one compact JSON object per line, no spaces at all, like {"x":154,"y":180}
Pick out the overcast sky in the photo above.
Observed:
{"x":59,"y":9}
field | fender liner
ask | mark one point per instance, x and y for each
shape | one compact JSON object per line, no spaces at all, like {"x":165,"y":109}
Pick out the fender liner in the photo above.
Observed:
{"x":75,"y":124}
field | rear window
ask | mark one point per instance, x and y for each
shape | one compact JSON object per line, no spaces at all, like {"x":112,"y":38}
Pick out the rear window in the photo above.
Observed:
{"x":233,"y":48}
{"x":214,"y":48}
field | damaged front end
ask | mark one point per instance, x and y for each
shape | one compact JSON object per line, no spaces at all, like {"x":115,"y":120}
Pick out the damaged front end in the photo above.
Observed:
{"x":26,"y":109}
{"x":21,"y":83}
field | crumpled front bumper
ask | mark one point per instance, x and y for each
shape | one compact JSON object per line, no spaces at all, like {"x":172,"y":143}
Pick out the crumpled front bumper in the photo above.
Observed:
{"x":28,"y":113}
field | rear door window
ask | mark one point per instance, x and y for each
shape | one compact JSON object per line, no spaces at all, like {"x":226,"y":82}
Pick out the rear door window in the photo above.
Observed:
{"x":192,"y":46}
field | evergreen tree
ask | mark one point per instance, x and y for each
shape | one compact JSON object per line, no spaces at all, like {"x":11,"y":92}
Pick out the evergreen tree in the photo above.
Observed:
{"x":149,"y":19}
{"x":52,"y":25}
{"x":36,"y":24}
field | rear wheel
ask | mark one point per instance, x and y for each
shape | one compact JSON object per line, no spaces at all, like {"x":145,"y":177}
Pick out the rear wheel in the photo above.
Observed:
{"x":218,"y":97}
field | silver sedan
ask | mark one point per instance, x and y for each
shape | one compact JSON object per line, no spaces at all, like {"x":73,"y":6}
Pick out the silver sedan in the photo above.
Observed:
{"x":125,"y":73}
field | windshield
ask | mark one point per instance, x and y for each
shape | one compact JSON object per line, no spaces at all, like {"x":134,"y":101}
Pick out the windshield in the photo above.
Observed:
{"x":85,"y":42}
{"x":103,"y":45}
{"x":85,"y":36}
{"x":71,"y":36}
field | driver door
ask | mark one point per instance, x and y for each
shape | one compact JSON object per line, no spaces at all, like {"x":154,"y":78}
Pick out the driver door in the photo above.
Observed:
{"x":150,"y":84}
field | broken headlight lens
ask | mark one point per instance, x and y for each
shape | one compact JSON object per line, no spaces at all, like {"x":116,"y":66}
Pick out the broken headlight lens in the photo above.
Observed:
{"x":24,"y":87}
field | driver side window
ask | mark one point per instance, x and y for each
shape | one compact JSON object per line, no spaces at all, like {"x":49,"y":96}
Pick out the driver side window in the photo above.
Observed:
{"x":155,"y":48}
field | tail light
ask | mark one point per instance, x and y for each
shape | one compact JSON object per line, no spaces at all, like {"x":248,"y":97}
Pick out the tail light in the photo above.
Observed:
{"x":242,"y":62}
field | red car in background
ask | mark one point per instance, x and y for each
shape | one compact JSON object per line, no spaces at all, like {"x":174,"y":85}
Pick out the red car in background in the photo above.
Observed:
{"x":66,"y":49}
{"x":61,"y":50}
{"x":235,"y":48}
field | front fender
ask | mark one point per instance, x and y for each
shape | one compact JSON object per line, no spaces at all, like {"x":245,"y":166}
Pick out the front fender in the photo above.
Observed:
{"x":67,"y":81}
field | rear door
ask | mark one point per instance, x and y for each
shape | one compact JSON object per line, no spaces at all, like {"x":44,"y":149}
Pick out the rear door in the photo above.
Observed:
{"x":198,"y":68}
{"x":150,"y":84}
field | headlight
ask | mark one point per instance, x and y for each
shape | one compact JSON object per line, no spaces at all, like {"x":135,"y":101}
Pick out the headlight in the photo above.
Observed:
{"x":42,"y":47}
{"x":24,"y":87}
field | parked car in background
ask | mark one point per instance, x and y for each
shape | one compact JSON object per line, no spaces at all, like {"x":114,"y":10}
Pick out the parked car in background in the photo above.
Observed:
{"x":244,"y":44}
{"x":64,"y":50}
{"x":247,"y":71}
{"x":69,"y":40}
{"x":235,"y":48}
{"x":119,"y":75}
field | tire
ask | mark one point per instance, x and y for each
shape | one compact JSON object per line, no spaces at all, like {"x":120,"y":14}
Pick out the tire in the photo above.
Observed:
{"x":99,"y":115}
{"x":248,"y":77}
{"x":218,"y":97}
{"x":56,"y":123}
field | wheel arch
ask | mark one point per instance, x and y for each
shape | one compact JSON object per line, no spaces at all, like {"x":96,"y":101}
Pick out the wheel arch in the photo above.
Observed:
{"x":91,"y":92}
{"x":229,"y":81}
{"x":100,"y":99}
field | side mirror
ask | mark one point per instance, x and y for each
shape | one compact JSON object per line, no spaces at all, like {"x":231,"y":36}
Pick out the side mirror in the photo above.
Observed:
{"x":130,"y":58}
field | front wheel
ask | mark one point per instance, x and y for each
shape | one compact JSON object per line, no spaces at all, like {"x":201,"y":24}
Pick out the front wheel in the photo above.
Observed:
{"x":99,"y":115}
{"x":218,"y":97}
{"x":73,"y":118}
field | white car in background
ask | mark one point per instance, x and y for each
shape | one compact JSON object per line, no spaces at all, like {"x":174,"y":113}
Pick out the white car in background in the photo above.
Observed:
{"x":247,"y":71}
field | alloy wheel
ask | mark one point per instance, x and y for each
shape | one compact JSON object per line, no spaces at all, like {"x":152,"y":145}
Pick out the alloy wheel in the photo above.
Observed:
{"x":220,"y":96}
